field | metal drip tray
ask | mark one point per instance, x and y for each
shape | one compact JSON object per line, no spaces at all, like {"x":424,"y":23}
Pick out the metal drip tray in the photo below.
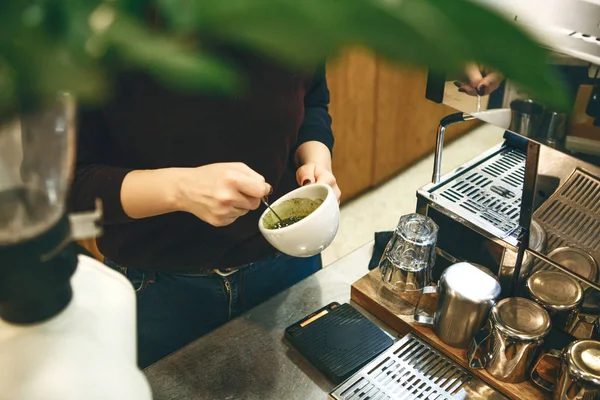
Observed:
{"x":412,"y":369}
{"x":571,"y":216}
{"x":488,"y":194}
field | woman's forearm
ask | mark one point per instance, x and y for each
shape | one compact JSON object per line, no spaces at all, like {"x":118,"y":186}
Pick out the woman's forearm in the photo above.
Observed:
{"x":148,"y":193}
{"x":217,"y":193}
{"x":313,"y":152}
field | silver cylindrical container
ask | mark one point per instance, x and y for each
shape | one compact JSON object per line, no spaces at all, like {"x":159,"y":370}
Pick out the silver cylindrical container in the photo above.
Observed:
{"x":507,"y":270}
{"x":553,"y":130}
{"x":537,"y":241}
{"x":559,"y":294}
{"x":537,"y":237}
{"x":579,"y":374}
{"x":516,"y":330}
{"x":526,"y":117}
{"x":466,"y":293}
{"x":577,"y":260}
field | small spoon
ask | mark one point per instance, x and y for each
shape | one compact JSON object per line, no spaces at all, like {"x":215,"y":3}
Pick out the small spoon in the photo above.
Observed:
{"x":264,"y":200}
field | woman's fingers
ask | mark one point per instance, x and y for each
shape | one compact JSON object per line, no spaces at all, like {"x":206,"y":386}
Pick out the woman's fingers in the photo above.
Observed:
{"x":478,"y":84}
{"x":466,"y":88}
{"x":328,"y":178}
{"x":473,"y":75}
{"x":490,"y":83}
{"x":251,"y":186}
{"x":305,"y":175}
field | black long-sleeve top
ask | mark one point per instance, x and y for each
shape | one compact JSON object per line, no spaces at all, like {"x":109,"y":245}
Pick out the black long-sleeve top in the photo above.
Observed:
{"x":147,"y":126}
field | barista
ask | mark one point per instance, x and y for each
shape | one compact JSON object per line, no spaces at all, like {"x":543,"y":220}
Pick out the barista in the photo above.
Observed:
{"x":181,"y":176}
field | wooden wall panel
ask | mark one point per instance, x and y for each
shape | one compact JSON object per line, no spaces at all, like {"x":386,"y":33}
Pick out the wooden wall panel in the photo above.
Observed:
{"x":352,"y":84}
{"x":406,"y":122}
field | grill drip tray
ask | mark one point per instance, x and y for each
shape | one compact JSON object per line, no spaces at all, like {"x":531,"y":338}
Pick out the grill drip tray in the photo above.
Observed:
{"x":412,"y":369}
{"x":571,"y":216}
{"x":488,"y":195}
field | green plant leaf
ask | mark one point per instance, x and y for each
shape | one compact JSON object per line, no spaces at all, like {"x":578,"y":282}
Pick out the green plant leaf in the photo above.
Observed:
{"x":279,"y":28}
{"x":440,"y":34}
{"x":172,"y":62}
{"x":78,"y":55}
{"x":36,"y":62}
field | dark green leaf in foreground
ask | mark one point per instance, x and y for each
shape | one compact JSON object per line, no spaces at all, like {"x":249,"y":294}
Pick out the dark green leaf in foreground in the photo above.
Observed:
{"x":169,"y":60}
{"x":76,"y":44}
{"x":441,"y":34}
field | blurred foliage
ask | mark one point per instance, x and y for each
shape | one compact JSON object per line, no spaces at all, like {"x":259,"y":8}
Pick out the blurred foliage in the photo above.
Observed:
{"x":79,"y":45}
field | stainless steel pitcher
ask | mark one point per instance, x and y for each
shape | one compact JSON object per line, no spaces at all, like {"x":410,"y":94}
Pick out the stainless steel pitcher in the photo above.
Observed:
{"x":526,"y":117}
{"x":553,"y":129}
{"x":559,"y":294}
{"x":466,"y":295}
{"x":579,"y":374}
{"x":511,"y":341}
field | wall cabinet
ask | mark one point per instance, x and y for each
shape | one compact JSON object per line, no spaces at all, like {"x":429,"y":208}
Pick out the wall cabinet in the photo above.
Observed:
{"x":381,"y":119}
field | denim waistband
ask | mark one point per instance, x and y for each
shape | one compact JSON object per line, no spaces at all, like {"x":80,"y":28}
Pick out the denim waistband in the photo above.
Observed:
{"x":208,"y":272}
{"x":227,"y":271}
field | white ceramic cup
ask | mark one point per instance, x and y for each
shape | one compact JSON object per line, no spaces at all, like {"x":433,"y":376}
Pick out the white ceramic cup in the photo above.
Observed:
{"x":312,"y":234}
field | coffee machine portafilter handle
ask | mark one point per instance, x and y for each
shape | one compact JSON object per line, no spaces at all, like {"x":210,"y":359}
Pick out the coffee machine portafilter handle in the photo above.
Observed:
{"x":439,"y":143}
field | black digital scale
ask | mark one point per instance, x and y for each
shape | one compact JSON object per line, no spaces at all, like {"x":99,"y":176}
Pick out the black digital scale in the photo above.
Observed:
{"x":338,"y":340}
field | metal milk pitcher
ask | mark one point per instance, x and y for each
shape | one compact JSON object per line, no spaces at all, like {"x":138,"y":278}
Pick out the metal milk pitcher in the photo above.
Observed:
{"x":559,"y":294}
{"x":579,"y":374}
{"x":511,"y":341}
{"x":526,"y":117}
{"x":466,"y":295}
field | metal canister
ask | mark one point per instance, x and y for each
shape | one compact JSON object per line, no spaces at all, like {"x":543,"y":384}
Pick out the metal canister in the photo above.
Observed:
{"x":553,"y":130}
{"x":515,"y":332}
{"x":579,"y":374}
{"x":526,"y":117}
{"x":559,"y":294}
{"x":537,"y":237}
{"x":537,"y":241}
{"x":577,"y":260}
{"x":507,"y":269}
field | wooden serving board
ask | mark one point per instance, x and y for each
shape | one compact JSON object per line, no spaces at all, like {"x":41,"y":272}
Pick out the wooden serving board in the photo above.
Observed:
{"x":365,"y":292}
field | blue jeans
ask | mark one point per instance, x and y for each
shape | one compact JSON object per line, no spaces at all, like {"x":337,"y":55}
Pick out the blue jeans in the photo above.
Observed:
{"x":175,"y":309}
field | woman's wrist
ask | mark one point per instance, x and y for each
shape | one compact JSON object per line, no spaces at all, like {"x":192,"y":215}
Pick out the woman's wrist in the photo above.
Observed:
{"x":313,"y":152}
{"x":173,"y":180}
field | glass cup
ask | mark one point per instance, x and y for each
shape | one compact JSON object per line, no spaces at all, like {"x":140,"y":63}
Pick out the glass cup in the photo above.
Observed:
{"x":407,"y":261}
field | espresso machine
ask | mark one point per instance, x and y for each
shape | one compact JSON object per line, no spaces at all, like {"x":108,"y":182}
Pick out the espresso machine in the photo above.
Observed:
{"x":514,"y":277}
{"x":533,"y":201}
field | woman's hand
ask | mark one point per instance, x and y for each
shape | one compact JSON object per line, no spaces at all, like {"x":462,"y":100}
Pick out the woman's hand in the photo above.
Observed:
{"x":314,"y":161}
{"x":314,"y":173}
{"x":479,"y":85}
{"x":221,"y":193}
{"x":216,"y":193}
